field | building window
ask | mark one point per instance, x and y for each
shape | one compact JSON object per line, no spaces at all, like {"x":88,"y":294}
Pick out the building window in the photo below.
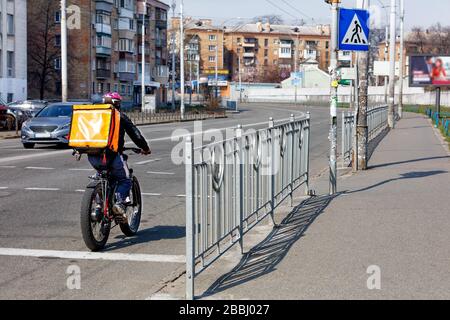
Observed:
{"x":10,"y":64}
{"x":266,"y":52}
{"x":10,"y":24}
{"x":266,"y":42}
{"x":212,"y":59}
{"x":10,"y":97}
{"x":57,"y":63}
{"x":212,"y":37}
{"x":327,"y":44}
{"x":212,"y":48}
{"x":103,"y":18}
{"x":57,"y":16}
{"x":57,"y":40}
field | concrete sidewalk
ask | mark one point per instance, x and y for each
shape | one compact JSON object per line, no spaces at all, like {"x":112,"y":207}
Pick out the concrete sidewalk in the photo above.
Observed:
{"x":394,"y":218}
{"x":8,"y":135}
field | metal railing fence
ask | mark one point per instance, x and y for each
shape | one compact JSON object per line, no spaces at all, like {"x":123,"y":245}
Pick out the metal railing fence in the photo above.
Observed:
{"x":234,"y":184}
{"x":348,"y":133}
{"x":377,"y":121}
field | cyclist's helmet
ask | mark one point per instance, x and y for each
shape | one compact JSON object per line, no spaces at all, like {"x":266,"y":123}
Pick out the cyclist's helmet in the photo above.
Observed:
{"x":113,"y":98}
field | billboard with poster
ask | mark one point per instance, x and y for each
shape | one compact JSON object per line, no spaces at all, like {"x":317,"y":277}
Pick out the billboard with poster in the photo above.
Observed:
{"x":429,"y":70}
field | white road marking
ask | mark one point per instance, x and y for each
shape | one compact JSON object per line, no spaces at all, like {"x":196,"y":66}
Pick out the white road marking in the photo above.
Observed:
{"x":34,"y":156}
{"x":3,"y":188}
{"x":147,"y":161}
{"x":7,"y":167}
{"x":161,"y":173}
{"x":42,"y":189}
{"x":80,"y":255}
{"x":80,"y":191}
{"x":151,"y":194}
{"x":39,"y":168}
{"x":181,"y":196}
{"x":81,"y":169}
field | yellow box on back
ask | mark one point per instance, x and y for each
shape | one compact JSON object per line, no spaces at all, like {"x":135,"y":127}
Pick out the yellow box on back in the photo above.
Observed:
{"x":95,"y":128}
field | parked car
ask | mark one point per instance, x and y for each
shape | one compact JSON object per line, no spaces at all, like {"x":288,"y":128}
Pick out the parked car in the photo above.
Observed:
{"x":32,"y":106}
{"x":7,"y":121}
{"x":50,"y":126}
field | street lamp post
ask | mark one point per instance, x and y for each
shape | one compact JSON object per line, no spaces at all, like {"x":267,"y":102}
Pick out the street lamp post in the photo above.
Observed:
{"x":402,"y":57}
{"x":64,"y":84}
{"x":334,"y":96}
{"x":391,"y":102}
{"x":143,"y":58}
{"x":182,"y":108}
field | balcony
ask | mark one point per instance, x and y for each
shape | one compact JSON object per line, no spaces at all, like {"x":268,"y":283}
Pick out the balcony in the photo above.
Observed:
{"x":104,"y":5}
{"x":161,"y":24}
{"x":310,"y":54}
{"x":126,"y":76}
{"x":103,"y":74}
{"x":249,"y":55}
{"x":249,"y":44}
{"x":103,"y":51}
{"x":103,"y":28}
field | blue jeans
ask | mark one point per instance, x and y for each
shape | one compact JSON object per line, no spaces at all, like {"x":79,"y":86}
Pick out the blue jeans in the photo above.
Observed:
{"x":119,"y":173}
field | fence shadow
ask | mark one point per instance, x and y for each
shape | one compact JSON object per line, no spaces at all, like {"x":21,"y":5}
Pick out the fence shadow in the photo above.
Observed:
{"x":403,"y":176}
{"x":373,"y":144}
{"x":263,"y":258}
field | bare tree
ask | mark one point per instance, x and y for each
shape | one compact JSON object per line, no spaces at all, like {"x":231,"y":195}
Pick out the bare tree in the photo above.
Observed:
{"x":270,"y":18}
{"x":42,"y":48}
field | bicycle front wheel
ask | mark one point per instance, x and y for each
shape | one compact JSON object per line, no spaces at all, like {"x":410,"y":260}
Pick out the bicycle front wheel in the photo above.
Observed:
{"x":95,"y":228}
{"x":134,"y":211}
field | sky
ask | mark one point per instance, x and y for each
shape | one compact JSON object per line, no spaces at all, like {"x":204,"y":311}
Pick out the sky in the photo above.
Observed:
{"x":418,"y":12}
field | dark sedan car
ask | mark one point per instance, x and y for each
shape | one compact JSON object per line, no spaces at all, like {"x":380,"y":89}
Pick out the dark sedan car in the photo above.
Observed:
{"x":29,"y":106}
{"x":50,"y":126}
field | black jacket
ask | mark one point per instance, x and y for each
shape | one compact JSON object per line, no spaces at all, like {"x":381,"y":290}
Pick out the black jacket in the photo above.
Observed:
{"x":128,"y":127}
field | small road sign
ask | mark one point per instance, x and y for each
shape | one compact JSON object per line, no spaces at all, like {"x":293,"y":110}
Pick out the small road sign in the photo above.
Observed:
{"x":354,"y":30}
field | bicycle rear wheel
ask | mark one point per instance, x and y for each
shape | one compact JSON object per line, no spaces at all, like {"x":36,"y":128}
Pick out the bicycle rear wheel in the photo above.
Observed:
{"x":95,"y":228}
{"x":134,"y":211}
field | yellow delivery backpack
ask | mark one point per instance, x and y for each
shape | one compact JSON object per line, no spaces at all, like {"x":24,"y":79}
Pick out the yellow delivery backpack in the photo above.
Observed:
{"x":95,"y":129}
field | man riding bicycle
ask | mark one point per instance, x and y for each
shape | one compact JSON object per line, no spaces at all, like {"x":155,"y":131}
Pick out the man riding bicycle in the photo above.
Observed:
{"x":115,"y":162}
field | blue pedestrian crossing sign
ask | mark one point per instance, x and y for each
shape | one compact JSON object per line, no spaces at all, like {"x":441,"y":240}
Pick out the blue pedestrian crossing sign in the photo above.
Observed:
{"x":354,"y":30}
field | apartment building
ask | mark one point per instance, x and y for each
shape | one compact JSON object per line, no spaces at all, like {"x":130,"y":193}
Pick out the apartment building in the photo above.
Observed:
{"x":13,"y":50}
{"x":260,"y":49}
{"x":104,"y":49}
{"x":202,"y":38}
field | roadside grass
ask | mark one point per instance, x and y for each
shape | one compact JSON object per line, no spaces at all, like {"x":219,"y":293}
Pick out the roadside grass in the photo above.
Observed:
{"x":422,"y":110}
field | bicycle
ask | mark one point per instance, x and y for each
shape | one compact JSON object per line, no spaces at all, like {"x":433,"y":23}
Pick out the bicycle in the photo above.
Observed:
{"x":96,"y":215}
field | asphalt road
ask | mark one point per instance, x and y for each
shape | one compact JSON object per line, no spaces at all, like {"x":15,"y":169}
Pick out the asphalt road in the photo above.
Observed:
{"x":40,"y":196}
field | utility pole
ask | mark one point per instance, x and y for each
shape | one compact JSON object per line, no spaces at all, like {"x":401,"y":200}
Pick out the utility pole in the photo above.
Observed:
{"x":391,"y":102}
{"x":386,"y":51}
{"x":360,"y":154}
{"x":182,"y":108}
{"x":174,"y":67}
{"x":143,"y":59}
{"x":240,"y":76}
{"x":64,"y":84}
{"x":402,"y":57}
{"x":216,"y":68}
{"x":296,"y":70}
{"x":334,"y":95}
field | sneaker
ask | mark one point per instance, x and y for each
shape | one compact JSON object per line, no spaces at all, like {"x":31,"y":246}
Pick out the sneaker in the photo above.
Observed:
{"x":120,"y":211}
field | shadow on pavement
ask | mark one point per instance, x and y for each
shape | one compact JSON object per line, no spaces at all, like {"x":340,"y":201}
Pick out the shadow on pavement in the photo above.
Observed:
{"x":404,"y":176}
{"x":148,"y":235}
{"x":263,"y":258}
{"x":408,"y":161}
